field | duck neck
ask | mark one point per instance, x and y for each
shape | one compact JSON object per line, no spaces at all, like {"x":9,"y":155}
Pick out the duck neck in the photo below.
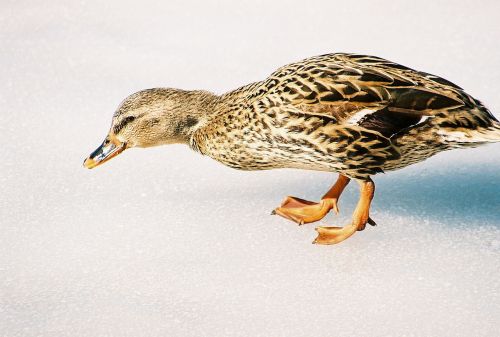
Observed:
{"x":197,"y":108}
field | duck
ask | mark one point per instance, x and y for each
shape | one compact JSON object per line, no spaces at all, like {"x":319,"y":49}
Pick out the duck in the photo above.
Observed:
{"x":350,"y":114}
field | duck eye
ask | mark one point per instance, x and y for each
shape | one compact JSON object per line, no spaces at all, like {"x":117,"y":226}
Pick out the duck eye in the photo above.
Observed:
{"x":128,"y":119}
{"x":123,"y":123}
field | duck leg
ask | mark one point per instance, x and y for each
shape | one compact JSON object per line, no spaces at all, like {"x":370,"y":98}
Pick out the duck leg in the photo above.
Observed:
{"x":360,"y":217}
{"x":303,"y":211}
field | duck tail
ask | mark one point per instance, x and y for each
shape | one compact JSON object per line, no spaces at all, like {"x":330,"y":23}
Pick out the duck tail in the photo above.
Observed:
{"x":495,"y":133}
{"x":494,"y":130}
{"x":489,"y":133}
{"x":472,"y":128}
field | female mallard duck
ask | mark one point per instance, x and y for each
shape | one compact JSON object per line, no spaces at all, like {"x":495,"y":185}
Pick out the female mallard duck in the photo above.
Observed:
{"x":352,"y":114}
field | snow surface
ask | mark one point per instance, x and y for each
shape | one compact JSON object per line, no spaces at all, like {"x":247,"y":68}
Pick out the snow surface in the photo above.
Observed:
{"x":164,"y":242}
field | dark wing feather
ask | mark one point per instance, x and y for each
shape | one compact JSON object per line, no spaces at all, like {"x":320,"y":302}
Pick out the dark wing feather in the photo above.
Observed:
{"x":389,"y":123}
{"x":341,"y":85}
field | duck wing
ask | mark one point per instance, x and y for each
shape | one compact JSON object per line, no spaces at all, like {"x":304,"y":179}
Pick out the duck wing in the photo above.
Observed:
{"x":362,"y":90}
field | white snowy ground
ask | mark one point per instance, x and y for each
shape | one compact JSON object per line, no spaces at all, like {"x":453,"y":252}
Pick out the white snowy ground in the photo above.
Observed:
{"x":164,"y":242}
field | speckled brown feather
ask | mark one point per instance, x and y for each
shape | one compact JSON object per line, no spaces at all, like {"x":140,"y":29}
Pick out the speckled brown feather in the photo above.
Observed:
{"x":353,"y":114}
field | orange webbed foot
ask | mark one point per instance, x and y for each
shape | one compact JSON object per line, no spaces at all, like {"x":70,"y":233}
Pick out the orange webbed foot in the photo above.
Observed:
{"x":333,"y":235}
{"x":304,"y":211}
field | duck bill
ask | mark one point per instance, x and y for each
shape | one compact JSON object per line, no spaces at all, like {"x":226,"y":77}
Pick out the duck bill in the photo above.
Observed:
{"x":111,"y":147}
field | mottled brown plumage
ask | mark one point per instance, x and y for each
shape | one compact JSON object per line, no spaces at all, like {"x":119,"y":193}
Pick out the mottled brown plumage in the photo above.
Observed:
{"x":353,"y":114}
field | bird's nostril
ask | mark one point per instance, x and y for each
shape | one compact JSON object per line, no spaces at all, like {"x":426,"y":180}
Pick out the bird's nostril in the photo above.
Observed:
{"x":96,"y":153}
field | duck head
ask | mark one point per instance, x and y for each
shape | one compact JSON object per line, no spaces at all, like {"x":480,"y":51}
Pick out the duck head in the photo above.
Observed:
{"x":150,"y":118}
